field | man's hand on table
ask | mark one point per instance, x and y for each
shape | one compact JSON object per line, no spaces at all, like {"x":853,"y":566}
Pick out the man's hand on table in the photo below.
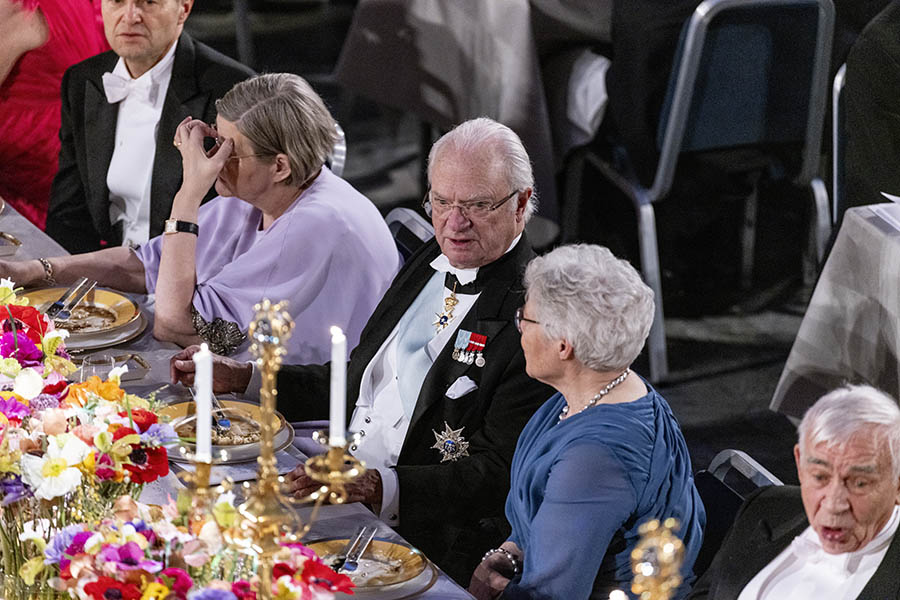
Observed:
{"x":366,"y":488}
{"x":228,"y":375}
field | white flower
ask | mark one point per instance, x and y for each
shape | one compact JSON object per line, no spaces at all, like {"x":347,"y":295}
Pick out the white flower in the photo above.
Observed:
{"x":56,"y":472}
{"x":115,"y":374}
{"x":34,"y":530}
{"x":28,"y":384}
{"x":56,"y":333}
{"x":6,"y":290}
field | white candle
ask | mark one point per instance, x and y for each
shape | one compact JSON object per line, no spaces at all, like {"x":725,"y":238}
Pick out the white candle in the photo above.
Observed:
{"x":336,"y":431}
{"x":203,"y":402}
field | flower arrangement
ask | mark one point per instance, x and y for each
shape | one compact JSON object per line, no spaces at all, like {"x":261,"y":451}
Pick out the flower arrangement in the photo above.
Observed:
{"x":67,"y":451}
{"x":146,"y":553}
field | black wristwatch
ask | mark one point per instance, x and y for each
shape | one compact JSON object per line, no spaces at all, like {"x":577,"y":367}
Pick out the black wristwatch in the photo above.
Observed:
{"x":176,"y":226}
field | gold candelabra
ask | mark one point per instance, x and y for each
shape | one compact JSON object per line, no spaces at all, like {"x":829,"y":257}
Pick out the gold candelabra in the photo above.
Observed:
{"x":268,"y":517}
{"x":656,"y":560}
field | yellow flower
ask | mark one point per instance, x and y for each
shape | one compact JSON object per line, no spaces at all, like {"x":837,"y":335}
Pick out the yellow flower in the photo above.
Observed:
{"x":89,"y":464}
{"x":31,"y":569}
{"x":155,"y":591}
{"x":10,"y":367}
{"x":61,"y":365}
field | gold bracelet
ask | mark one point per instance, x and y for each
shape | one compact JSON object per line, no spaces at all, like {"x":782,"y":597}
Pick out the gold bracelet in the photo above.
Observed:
{"x":48,"y":271}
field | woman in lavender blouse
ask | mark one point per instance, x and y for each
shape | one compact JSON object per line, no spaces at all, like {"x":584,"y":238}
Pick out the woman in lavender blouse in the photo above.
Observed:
{"x":283,"y":227}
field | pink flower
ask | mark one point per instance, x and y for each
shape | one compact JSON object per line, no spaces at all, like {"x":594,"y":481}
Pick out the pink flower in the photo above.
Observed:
{"x":176,"y":580}
{"x":129,"y":557}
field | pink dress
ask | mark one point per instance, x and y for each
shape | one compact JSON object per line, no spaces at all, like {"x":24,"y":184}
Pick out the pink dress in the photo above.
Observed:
{"x":30,"y":103}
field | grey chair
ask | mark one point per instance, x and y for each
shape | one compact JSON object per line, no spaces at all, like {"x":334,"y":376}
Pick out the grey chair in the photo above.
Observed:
{"x":410,"y":230}
{"x":749,"y":74}
{"x":722,"y":499}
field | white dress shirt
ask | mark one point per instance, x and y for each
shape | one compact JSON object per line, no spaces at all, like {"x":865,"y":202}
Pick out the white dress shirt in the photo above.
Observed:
{"x":804,"y":571}
{"x":131,"y":169}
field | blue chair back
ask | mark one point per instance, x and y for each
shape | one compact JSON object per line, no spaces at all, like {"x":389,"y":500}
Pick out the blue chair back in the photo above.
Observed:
{"x":748,"y":72}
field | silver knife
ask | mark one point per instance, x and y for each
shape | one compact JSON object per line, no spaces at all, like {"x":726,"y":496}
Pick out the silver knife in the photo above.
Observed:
{"x":67,"y":312}
{"x":60,"y":304}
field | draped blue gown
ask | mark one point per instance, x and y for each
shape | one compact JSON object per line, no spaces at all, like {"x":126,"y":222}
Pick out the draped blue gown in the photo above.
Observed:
{"x":580,"y":488}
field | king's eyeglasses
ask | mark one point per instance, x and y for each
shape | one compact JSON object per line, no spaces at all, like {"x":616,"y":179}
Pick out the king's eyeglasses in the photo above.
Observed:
{"x":476,"y":209}
{"x":520,"y":316}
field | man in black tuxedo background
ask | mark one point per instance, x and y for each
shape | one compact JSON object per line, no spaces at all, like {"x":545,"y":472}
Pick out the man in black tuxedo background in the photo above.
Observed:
{"x":118,"y":170}
{"x":437,"y":386}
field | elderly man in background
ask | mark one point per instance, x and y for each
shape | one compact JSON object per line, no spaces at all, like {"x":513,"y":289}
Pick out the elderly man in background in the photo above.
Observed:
{"x":118,"y":170}
{"x":437,"y":385}
{"x":835,"y":535}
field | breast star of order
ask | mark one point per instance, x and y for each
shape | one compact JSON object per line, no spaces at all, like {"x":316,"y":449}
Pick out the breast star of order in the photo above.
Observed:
{"x":450,"y":443}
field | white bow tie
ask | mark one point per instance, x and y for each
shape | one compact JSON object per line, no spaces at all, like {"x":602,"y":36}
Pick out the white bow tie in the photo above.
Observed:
{"x":442,"y":264}
{"x":118,"y":88}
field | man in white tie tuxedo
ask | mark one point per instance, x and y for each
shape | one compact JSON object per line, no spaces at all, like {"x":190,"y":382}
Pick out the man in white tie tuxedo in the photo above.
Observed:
{"x":437,"y":387}
{"x":118,"y":170}
{"x":835,"y":536}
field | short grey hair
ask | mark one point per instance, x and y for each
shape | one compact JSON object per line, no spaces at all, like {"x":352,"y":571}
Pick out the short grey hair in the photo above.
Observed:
{"x":584,"y":294}
{"x":279,"y":113}
{"x":485,"y":134}
{"x":849,"y":412}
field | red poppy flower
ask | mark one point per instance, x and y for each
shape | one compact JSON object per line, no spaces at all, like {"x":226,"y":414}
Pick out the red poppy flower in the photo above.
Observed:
{"x":143,"y":419}
{"x":121,"y":431}
{"x":55,"y":388}
{"x":147,"y":464}
{"x":107,"y":588}
{"x":28,"y":319}
{"x":322,"y":575}
{"x":282,"y":569}
{"x":242,"y":590}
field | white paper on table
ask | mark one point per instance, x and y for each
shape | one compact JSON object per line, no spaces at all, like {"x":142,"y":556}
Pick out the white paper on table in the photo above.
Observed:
{"x":891,"y":197}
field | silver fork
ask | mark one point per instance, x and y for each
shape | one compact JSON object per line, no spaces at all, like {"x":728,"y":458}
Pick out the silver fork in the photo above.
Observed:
{"x":60,"y":304}
{"x":66,"y":312}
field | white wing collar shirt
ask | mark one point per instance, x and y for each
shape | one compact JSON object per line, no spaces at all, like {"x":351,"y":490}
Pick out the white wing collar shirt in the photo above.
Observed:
{"x":381,"y":415}
{"x":131,"y":169}
{"x":804,"y":571}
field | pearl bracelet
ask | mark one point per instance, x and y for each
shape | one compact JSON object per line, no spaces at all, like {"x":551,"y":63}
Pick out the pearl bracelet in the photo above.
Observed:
{"x":512,"y":559}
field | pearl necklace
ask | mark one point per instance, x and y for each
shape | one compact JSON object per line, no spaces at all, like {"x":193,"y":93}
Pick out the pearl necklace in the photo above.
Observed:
{"x":595,"y":399}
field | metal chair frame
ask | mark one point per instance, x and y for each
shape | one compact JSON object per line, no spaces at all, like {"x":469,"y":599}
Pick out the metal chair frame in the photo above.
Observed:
{"x":837,"y":144}
{"x":686,"y":72}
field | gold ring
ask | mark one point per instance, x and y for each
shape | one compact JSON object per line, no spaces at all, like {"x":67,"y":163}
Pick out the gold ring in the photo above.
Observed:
{"x":177,"y":143}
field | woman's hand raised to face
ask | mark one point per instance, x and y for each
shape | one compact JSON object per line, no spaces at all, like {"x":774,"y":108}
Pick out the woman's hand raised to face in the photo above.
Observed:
{"x":200,"y":168}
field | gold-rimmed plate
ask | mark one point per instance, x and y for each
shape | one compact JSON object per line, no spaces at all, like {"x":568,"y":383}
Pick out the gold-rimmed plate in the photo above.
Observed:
{"x":102,"y":311}
{"x":106,"y":339}
{"x":384,"y":563}
{"x":234,"y":453}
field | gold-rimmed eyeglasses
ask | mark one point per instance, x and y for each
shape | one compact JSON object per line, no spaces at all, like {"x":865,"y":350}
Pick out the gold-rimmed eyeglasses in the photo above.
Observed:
{"x":474,"y":209}
{"x":520,"y":317}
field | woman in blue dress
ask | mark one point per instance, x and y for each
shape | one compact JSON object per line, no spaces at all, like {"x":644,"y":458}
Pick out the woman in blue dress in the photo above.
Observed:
{"x":600,"y":457}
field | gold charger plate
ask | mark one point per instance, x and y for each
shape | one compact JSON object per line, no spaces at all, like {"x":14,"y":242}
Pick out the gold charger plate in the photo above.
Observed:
{"x":105,"y":339}
{"x":236,"y":453}
{"x":383,"y":564}
{"x":125,"y":309}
